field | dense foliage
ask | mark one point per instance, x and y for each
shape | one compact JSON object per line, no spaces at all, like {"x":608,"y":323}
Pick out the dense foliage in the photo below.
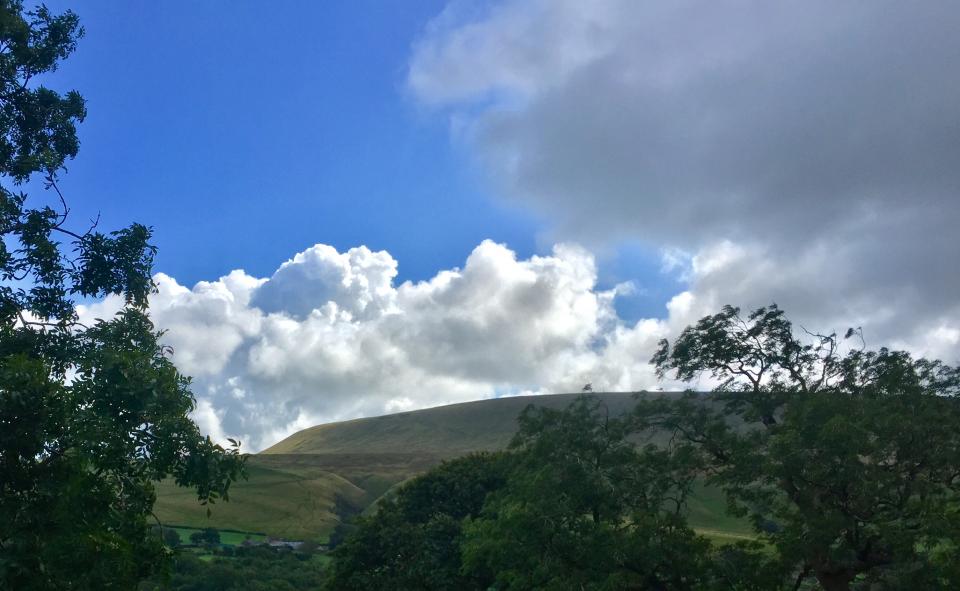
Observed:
{"x":208,"y":536}
{"x":574,"y":503}
{"x":586,"y":508}
{"x":847,"y":463}
{"x":413,"y":541}
{"x":245,"y":569}
{"x":90,"y":416}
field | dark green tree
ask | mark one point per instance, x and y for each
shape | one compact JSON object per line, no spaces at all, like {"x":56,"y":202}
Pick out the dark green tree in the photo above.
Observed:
{"x":90,"y":416}
{"x":846,"y":460}
{"x":209,"y":536}
{"x":586,"y":506}
{"x":413,"y":541}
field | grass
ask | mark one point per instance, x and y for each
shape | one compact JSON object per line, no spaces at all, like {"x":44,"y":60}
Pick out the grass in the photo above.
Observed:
{"x":294,"y":503}
{"x":707,"y":512}
{"x":724,"y":538}
{"x":444,"y":432}
{"x":294,"y":485}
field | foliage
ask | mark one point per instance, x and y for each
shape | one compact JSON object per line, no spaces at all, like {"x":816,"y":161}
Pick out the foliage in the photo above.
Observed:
{"x":573,"y":504}
{"x":847,"y":463}
{"x":413,"y":540}
{"x":585,"y":508}
{"x":249,"y":569}
{"x":90,"y":416}
{"x":206,"y":537}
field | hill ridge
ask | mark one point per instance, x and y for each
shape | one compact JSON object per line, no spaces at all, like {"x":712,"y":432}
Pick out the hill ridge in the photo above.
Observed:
{"x":446,"y":431}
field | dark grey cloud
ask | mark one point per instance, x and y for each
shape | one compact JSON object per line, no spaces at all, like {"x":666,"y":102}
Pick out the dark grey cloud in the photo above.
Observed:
{"x":801,"y":131}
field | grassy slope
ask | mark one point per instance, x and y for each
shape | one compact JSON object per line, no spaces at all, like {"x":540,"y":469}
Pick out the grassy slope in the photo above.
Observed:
{"x":293,"y":484}
{"x":293,"y":503}
{"x":445,"y":431}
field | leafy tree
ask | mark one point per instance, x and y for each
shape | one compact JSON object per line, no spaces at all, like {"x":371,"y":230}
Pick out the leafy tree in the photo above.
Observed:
{"x":206,"y":537}
{"x":250,"y":569}
{"x":580,"y":500}
{"x":413,"y":540}
{"x":586,"y":508}
{"x":848,"y":463}
{"x":90,"y":416}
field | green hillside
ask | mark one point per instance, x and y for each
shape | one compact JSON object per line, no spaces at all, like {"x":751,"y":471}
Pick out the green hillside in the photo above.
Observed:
{"x":444,"y":431}
{"x":294,"y":503}
{"x":303,"y":486}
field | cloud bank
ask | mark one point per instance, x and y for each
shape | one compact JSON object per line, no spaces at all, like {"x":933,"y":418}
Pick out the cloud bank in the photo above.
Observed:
{"x":331,"y":336}
{"x":812,"y":147}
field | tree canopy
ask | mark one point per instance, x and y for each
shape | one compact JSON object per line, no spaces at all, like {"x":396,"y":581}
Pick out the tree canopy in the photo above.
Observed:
{"x":846,"y":460}
{"x":413,"y":540}
{"x":586,"y":508}
{"x":574,"y":503}
{"x":90,"y":416}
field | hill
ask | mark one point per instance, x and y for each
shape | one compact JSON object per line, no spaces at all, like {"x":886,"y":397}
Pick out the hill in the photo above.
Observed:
{"x":303,"y":486}
{"x":443,"y":431}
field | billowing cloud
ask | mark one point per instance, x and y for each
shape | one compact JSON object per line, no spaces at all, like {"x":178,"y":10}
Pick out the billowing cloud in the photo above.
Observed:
{"x":798,"y":152}
{"x":339,"y":339}
{"x":357,"y":282}
{"x":331,"y":336}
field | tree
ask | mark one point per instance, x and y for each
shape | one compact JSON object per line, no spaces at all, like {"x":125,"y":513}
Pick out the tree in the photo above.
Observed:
{"x":206,"y":537}
{"x":580,"y":500}
{"x":90,"y":416}
{"x":413,"y":540}
{"x":848,"y":463}
{"x":585,"y":507}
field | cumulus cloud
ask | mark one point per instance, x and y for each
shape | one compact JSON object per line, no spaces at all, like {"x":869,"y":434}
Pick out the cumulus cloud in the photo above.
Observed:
{"x":798,"y":152}
{"x":337,"y":338}
{"x":357,"y":282}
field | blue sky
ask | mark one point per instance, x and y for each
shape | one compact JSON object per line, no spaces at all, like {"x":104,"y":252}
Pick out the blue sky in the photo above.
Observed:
{"x":804,"y":155}
{"x":245,"y":135}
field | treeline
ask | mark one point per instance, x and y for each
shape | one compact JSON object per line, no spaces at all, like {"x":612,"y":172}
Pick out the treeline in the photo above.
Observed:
{"x":847,"y":465}
{"x":256,"y":568}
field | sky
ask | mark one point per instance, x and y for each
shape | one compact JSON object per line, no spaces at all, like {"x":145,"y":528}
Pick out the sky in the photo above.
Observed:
{"x":371,"y":206}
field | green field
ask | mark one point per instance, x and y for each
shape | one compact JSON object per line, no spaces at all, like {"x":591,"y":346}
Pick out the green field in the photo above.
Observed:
{"x":294,"y":486}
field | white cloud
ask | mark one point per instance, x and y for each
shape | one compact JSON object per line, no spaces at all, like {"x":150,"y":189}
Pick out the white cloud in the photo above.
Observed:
{"x":498,"y":326}
{"x":338,"y":339}
{"x":357,"y":282}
